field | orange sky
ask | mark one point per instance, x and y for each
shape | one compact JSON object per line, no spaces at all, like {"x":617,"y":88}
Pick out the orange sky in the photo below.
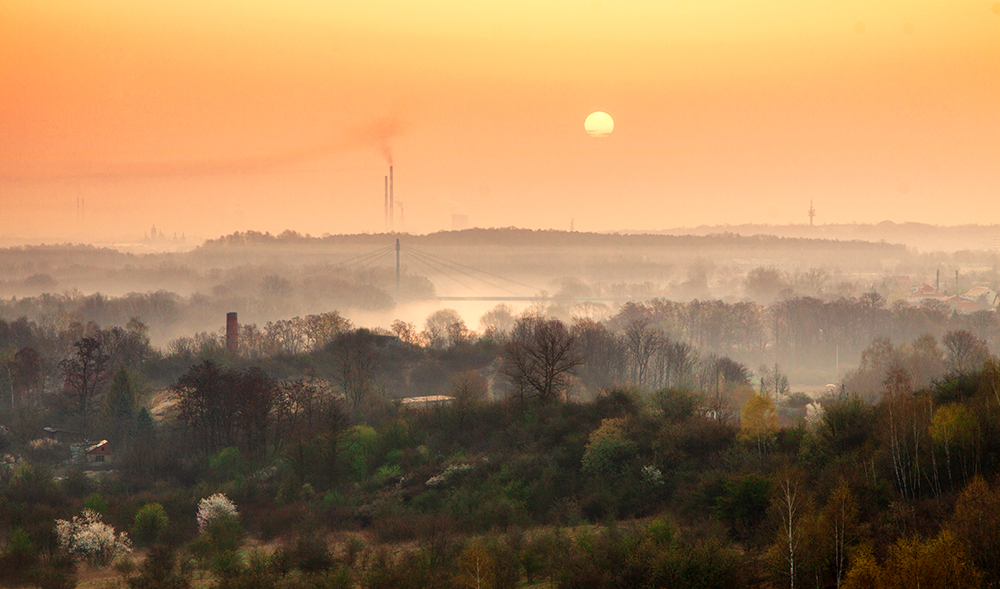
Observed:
{"x":209,"y":117}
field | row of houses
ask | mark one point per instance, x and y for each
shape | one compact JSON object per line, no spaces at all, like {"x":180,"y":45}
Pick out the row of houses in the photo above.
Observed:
{"x":978,"y":298}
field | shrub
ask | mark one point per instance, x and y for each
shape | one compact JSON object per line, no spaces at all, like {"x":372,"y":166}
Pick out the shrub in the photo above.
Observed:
{"x":743,"y":504}
{"x":17,"y":557}
{"x":219,"y":524}
{"x":609,"y":453}
{"x":32,"y":484}
{"x":161,"y":570}
{"x":215,"y":508}
{"x":149,"y":523}
{"x":226,"y":464}
{"x":54,"y":578}
{"x":309,"y":553}
{"x":94,"y":502}
{"x":88,"y":538}
{"x":676,"y":404}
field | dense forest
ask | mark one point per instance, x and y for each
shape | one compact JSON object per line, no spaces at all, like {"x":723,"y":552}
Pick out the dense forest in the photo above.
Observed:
{"x":658,"y":446}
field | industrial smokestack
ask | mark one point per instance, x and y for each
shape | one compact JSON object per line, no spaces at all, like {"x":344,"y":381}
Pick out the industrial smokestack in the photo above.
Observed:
{"x":392,"y":221}
{"x":386,"y":203}
{"x":232,"y":334}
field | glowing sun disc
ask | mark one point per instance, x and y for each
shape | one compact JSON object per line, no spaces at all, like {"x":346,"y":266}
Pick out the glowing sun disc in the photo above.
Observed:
{"x":599,"y":124}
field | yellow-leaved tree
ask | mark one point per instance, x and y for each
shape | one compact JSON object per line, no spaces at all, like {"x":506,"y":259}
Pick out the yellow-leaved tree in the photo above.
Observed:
{"x":758,"y":422}
{"x":954,"y":428}
{"x":476,"y":570}
{"x":976,"y":523}
{"x":937,"y":563}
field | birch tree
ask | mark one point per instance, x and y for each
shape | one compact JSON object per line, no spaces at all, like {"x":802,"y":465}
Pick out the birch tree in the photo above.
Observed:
{"x":841,"y":514}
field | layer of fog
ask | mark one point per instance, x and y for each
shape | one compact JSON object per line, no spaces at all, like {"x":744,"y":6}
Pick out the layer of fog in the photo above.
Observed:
{"x":566,"y":275}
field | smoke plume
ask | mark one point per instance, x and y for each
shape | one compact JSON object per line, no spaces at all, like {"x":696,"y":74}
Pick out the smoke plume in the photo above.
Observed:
{"x":378,"y":134}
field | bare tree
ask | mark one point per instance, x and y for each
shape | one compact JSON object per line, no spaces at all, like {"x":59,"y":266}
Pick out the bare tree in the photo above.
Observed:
{"x":227,"y":407}
{"x":540,"y":358}
{"x":773,"y":382}
{"x":966,"y":352}
{"x":440,"y":326}
{"x":405,"y":331}
{"x":641,"y":341}
{"x":255,"y":393}
{"x":469,"y":389}
{"x":357,"y":360}
{"x":602,"y":351}
{"x":206,"y":406}
{"x":323,"y":328}
{"x":763,"y":284}
{"x":673,"y":364}
{"x":497,"y":322}
{"x":86,"y":372}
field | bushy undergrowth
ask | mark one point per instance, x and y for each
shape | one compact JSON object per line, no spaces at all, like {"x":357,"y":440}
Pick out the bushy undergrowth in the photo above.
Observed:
{"x":634,"y":488}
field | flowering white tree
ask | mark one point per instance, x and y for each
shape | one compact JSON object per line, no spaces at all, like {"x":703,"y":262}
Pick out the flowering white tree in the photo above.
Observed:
{"x":215,"y":508}
{"x":88,"y":538}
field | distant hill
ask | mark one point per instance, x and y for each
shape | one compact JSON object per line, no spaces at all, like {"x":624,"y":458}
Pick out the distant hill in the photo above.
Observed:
{"x":514,"y":237}
{"x":920,"y":236}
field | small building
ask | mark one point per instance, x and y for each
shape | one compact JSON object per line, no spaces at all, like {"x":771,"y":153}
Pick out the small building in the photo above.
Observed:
{"x":923,"y":293}
{"x":962,"y":305}
{"x":60,"y":435}
{"x":985,"y":296}
{"x":99,"y":453}
{"x":426,"y":402}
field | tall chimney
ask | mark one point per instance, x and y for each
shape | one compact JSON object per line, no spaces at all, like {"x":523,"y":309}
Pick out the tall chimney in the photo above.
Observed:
{"x":232,"y":333}
{"x":386,"y":203}
{"x":392,"y":222}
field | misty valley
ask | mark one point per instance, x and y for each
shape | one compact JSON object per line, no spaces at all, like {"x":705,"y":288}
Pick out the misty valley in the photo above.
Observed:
{"x":500,"y":408}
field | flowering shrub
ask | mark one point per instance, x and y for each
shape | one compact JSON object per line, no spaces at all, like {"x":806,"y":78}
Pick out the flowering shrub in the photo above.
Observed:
{"x":88,"y":538}
{"x":219,"y":524}
{"x":652,"y":476}
{"x":215,"y":508}
{"x":453,"y":470}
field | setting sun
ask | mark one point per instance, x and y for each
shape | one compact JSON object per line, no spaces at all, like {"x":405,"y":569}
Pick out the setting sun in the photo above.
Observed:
{"x":599,"y":124}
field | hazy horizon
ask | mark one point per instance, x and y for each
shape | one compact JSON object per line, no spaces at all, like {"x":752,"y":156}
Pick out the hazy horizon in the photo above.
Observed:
{"x":205,"y":118}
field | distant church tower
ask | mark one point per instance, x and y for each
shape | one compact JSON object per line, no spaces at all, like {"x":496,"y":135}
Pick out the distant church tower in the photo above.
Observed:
{"x":812,"y":213}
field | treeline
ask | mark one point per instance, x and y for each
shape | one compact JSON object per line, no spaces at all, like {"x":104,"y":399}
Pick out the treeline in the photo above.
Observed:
{"x":513,"y":236}
{"x":169,"y":315}
{"x":653,"y":345}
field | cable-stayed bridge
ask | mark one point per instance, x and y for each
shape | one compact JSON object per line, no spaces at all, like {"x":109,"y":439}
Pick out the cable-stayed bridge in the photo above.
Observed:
{"x":454,"y":281}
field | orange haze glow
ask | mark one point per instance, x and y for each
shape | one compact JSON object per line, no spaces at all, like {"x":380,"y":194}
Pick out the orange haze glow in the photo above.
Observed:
{"x":210,"y":117}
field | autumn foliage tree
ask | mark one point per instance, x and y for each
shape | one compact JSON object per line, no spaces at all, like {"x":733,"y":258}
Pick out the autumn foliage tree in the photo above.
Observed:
{"x":976,"y":523}
{"x":759,"y":422}
{"x":937,"y":563}
{"x":841,"y":518}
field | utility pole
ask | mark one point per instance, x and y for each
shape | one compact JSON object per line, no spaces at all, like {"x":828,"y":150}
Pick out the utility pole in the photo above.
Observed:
{"x":397,"y":265}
